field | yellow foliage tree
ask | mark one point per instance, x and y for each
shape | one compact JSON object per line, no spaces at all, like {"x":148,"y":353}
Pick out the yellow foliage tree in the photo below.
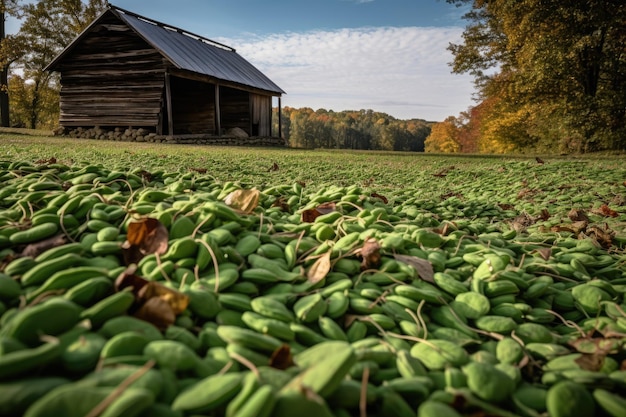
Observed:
{"x":443,"y":137}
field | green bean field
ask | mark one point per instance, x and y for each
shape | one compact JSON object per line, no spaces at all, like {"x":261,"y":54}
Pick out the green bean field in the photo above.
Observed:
{"x":143,"y":279}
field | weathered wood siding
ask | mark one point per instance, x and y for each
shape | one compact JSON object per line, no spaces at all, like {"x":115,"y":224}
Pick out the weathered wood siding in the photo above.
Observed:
{"x":261,"y":115}
{"x":112,"y":78}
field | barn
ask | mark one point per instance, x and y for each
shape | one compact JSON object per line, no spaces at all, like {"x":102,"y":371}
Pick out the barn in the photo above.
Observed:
{"x":126,"y":70}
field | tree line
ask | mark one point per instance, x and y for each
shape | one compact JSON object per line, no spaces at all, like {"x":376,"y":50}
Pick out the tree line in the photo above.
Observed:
{"x":550,"y":75}
{"x":363,"y":129}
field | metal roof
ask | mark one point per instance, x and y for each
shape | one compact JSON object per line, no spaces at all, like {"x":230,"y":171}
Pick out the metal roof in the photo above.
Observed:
{"x":187,"y":51}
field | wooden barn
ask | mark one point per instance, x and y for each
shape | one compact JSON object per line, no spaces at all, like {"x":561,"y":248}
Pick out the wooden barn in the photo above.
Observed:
{"x":126,"y":70}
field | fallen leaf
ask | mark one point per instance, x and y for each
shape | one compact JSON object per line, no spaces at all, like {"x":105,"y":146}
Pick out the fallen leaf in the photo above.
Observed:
{"x":143,"y":237}
{"x":370,"y":254}
{"x":244,"y":200}
{"x":156,"y":303}
{"x":128,"y":279}
{"x":576,"y":215}
{"x":37,"y":248}
{"x":326,"y":208}
{"x":545,"y":253}
{"x":175,"y":299}
{"x":281,"y":202}
{"x":590,"y":361}
{"x":319,"y":269}
{"x":423,"y":267}
{"x":574,"y":227}
{"x":539,"y":160}
{"x":381,"y":197}
{"x":281,"y":358}
{"x":603,"y":237}
{"x":274,"y":167}
{"x":606,"y":211}
{"x":157,"y":312}
{"x":309,"y":215}
{"x":147,"y":176}
{"x":48,"y":161}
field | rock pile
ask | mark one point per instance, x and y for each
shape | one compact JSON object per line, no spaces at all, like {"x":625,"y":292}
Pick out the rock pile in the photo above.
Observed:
{"x":230,"y":138}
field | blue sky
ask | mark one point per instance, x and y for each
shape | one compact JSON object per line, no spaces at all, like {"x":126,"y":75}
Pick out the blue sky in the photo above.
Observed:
{"x":385,"y":55}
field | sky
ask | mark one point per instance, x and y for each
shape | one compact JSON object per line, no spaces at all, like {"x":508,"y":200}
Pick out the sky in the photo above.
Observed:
{"x":386,"y":55}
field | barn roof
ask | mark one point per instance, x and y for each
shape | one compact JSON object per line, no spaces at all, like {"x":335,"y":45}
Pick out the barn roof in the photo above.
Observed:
{"x":186,"y":51}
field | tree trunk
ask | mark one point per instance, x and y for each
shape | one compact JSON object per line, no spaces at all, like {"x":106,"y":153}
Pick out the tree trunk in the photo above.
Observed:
{"x":4,"y":81}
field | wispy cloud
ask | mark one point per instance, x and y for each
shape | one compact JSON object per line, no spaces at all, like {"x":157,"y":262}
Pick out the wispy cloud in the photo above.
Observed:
{"x":402,"y":71}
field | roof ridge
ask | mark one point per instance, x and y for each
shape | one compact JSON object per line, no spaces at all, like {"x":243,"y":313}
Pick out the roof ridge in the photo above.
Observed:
{"x":172,"y":28}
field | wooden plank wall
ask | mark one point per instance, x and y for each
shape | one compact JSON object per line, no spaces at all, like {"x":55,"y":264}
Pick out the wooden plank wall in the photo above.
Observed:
{"x":112,"y":78}
{"x":261,"y":115}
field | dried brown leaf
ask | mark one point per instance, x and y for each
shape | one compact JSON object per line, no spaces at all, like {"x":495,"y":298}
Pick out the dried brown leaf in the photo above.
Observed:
{"x":129,"y":279}
{"x":144,"y":236}
{"x":603,"y":237}
{"x":591,"y":361}
{"x":605,"y":211}
{"x":381,"y":197}
{"x":281,"y":358}
{"x":281,"y":202}
{"x":274,"y":167}
{"x":319,"y":269}
{"x":175,"y":299}
{"x":423,"y":267}
{"x":370,"y":254}
{"x":576,"y":215}
{"x":326,"y":208}
{"x":545,"y":253}
{"x":48,"y":161}
{"x":309,"y":215}
{"x":244,"y":200}
{"x":156,"y":311}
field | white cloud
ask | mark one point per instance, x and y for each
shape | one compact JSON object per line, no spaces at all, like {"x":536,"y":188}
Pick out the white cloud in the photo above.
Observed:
{"x":402,"y":71}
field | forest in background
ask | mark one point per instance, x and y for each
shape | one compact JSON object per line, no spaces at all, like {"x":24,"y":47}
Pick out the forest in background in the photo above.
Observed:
{"x":550,"y":77}
{"x":363,"y":129}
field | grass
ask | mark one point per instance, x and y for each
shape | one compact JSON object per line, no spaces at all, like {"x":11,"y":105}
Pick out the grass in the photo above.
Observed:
{"x":460,"y":181}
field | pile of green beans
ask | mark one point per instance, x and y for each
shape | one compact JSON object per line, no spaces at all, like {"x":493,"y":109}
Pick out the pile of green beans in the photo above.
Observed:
{"x":473,"y":302}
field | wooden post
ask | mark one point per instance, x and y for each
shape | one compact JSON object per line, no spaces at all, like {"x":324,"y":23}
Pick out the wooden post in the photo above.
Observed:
{"x":218,"y":115}
{"x":168,"y":100}
{"x":280,"y":123}
{"x":250,"y":113}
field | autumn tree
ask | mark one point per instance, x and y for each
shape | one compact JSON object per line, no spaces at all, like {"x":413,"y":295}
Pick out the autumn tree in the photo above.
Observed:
{"x":556,"y":71}
{"x":7,"y":56}
{"x":48,"y":26}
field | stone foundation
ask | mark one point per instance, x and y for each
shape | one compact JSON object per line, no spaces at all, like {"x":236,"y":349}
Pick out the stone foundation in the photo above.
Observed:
{"x":144,"y":135}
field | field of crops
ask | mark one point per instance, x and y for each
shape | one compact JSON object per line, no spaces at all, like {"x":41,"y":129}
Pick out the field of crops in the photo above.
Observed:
{"x":168,"y":280}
